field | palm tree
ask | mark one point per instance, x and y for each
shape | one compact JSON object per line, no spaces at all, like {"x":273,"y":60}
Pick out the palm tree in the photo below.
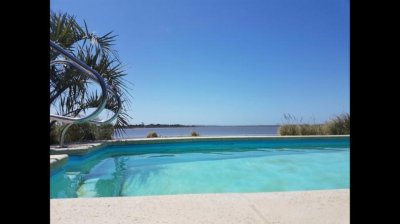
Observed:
{"x":69,"y":90}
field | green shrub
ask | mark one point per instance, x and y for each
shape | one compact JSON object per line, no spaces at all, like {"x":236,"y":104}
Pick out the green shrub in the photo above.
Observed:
{"x":81,"y":132}
{"x":314,"y":129}
{"x":340,"y":125}
{"x":105,"y":132}
{"x":289,"y":129}
{"x":54,"y":134}
{"x":194,"y":134}
{"x":301,"y":129}
{"x":152,"y":135}
{"x":291,"y":126}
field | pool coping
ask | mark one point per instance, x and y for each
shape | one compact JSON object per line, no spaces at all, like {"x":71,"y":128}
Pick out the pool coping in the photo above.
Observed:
{"x":81,"y":149}
{"x":311,"y":207}
{"x":56,"y":161}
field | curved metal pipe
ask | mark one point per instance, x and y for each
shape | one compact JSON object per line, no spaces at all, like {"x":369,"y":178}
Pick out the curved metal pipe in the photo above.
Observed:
{"x":78,"y":62}
{"x":116,"y":113}
{"x":63,"y":132}
{"x":91,"y":73}
{"x":94,"y":75}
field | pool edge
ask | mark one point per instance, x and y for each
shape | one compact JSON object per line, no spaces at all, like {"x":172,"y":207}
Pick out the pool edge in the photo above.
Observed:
{"x":83,"y":149}
{"x":87,"y":148}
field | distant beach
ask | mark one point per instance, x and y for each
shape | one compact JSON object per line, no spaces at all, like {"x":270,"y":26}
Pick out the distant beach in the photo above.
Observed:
{"x":271,"y":130}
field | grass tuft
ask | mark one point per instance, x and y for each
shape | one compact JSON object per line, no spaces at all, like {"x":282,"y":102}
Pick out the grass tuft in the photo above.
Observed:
{"x":194,"y":133}
{"x":152,"y":135}
{"x":340,"y":125}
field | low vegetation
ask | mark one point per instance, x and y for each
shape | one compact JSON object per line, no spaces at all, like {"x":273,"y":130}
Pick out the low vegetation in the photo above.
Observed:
{"x":194,"y":134}
{"x":81,"y":133}
{"x":339,"y":125}
{"x":152,"y":135}
{"x":301,"y":129}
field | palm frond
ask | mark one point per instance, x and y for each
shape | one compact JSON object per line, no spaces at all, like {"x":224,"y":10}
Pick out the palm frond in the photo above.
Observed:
{"x":69,"y":87}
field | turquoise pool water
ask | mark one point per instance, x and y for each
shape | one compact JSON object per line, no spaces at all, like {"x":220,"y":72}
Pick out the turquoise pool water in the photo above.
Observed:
{"x":206,"y":167}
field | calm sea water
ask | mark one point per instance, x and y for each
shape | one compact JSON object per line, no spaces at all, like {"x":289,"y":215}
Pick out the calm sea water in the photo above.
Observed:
{"x":206,"y":167}
{"x":203,"y":131}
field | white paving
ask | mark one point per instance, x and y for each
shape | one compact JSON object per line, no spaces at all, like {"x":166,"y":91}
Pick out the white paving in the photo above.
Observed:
{"x":309,"y":207}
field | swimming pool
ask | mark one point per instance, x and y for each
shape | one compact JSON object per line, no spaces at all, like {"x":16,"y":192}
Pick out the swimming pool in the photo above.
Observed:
{"x":213,"y":166}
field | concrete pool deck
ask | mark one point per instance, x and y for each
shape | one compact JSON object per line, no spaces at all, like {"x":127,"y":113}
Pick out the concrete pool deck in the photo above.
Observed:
{"x":310,"y":207}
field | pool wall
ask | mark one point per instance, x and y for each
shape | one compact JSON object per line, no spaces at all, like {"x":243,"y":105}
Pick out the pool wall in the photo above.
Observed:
{"x":85,"y":149}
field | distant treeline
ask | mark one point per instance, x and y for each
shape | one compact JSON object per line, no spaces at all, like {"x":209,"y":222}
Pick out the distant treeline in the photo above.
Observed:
{"x":158,"y":126}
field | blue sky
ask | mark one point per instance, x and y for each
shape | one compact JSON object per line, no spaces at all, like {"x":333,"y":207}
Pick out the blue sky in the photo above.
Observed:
{"x":227,"y":62}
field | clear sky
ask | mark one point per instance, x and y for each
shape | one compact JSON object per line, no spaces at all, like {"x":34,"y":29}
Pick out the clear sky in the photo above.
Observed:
{"x":227,"y":62}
